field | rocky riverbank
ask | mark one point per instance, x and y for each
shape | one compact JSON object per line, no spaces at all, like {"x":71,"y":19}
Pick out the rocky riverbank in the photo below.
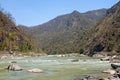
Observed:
{"x":114,"y":72}
{"x":6,"y":55}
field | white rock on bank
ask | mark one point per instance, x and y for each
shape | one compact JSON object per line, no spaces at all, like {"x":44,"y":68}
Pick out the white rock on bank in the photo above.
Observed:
{"x":109,"y":71}
{"x":3,"y":57}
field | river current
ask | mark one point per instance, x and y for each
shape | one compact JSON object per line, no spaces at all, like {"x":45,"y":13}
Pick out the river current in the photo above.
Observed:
{"x":54,"y":68}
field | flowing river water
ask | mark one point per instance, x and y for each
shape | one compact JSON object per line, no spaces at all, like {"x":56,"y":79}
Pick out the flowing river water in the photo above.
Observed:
{"x":54,"y":68}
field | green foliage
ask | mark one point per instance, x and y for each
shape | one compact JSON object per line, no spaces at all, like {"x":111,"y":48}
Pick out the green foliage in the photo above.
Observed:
{"x":66,"y":33}
{"x":12,"y":36}
{"x":109,"y":46}
{"x":3,"y":45}
{"x":108,"y":33}
{"x":25,"y":47}
{"x":118,"y":49}
{"x":81,"y":51}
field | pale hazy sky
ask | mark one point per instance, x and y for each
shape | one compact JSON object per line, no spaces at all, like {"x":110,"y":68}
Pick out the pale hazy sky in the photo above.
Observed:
{"x":34,"y":12}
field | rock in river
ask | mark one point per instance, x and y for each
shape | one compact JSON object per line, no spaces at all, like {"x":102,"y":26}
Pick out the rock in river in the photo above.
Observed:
{"x":75,"y":60}
{"x":35,"y":70}
{"x":86,"y":78}
{"x":115,"y":61}
{"x":114,"y":66}
{"x":14,"y":67}
{"x":13,"y":62}
{"x":107,"y":58}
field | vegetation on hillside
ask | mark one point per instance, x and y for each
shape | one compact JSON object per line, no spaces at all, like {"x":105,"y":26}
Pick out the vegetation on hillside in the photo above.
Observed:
{"x":65,"y":34}
{"x":85,"y":33}
{"x":107,"y":34}
{"x":12,"y":38}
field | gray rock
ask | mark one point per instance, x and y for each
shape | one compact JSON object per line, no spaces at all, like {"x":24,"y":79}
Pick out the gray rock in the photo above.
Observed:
{"x":115,"y":61}
{"x":114,"y":66}
{"x":14,"y":67}
{"x":3,"y":57}
{"x":86,"y":78}
{"x":13,"y":62}
{"x":75,"y":60}
{"x":106,"y":58}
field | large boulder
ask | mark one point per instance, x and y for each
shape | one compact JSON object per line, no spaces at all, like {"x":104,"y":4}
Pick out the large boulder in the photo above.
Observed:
{"x":114,"y":66}
{"x":107,"y":58}
{"x":115,"y":61}
{"x":14,"y":67}
{"x":35,"y":70}
{"x":110,"y":78}
{"x":86,"y":78}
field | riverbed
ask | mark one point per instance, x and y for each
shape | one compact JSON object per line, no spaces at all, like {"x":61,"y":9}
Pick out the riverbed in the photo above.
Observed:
{"x":54,"y":68}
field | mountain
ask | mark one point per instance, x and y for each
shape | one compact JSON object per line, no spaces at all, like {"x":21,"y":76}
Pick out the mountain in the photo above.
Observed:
{"x":67,"y":21}
{"x":63,"y":34}
{"x":106,"y":37}
{"x":12,"y":38}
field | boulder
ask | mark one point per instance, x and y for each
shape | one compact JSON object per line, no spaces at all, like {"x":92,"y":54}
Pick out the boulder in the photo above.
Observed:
{"x":14,"y":67}
{"x":118,"y":72}
{"x":13,"y":62}
{"x":115,"y":61}
{"x":114,"y":66}
{"x":3,"y":57}
{"x":118,"y":75}
{"x":98,"y":55}
{"x":110,"y":78}
{"x":35,"y":70}
{"x":75,"y":60}
{"x":106,"y":58}
{"x":110,"y":71}
{"x":86,"y":78}
{"x":104,"y":79}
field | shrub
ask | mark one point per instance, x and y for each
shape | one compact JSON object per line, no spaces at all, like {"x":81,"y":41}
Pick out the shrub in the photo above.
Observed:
{"x":81,"y":51}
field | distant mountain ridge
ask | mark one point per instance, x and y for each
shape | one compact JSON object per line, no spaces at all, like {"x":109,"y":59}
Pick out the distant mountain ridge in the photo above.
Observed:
{"x":68,"y":20}
{"x":62,"y":34}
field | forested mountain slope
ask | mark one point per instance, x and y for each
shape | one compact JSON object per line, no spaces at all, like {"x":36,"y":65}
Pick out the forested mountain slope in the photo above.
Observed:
{"x":12,"y":38}
{"x":64,"y":33}
{"x":107,"y":34}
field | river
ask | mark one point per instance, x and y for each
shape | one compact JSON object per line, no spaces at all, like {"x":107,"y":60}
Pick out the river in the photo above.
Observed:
{"x":55,"y":68}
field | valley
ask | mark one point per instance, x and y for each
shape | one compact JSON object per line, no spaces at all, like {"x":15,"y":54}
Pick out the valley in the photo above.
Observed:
{"x":72,"y":46}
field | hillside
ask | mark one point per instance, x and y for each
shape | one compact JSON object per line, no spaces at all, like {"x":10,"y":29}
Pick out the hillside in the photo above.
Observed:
{"x":12,"y":38}
{"x":64,"y":33}
{"x":107,"y":34}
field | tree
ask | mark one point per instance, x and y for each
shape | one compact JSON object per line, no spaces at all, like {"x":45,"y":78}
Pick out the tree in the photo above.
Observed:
{"x":81,"y":50}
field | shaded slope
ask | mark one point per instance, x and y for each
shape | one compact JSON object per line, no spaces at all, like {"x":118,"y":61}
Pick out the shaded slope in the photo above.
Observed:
{"x":107,"y":35}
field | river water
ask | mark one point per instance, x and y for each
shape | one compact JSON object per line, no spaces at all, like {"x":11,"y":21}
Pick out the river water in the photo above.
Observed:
{"x":54,"y":68}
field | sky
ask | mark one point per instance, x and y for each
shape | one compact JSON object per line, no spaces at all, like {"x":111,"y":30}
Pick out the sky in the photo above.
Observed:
{"x":35,"y":12}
